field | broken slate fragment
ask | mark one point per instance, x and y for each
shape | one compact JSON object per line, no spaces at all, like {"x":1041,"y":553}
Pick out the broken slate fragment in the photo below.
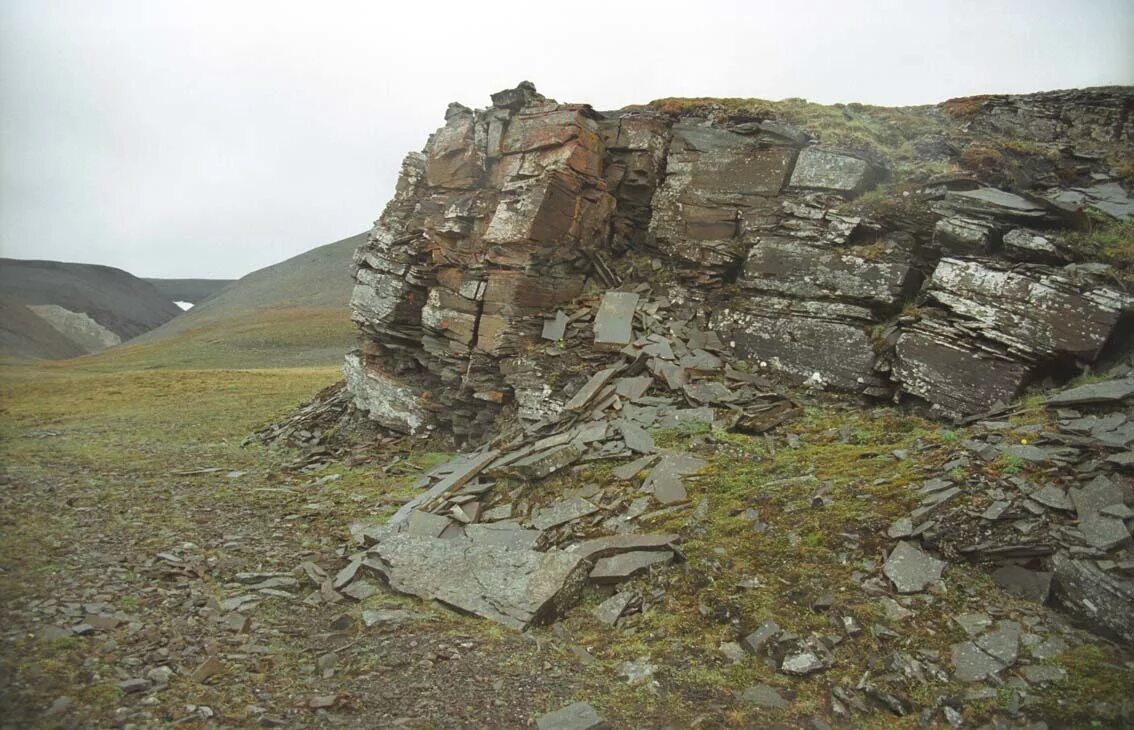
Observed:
{"x":614,"y":321}
{"x":910,"y":569}
{"x":360,"y":590}
{"x":1003,"y":644}
{"x":618,"y":568}
{"x":566,"y":510}
{"x":668,"y":488}
{"x":631,"y":470}
{"x":1109,"y":391}
{"x":543,"y":464}
{"x":554,"y":329}
{"x":576,"y":716}
{"x":635,"y":437}
{"x":765,"y":696}
{"x":610,"y":610}
{"x":590,"y":389}
{"x":422,"y":523}
{"x":633,"y":388}
{"x":970,"y":664}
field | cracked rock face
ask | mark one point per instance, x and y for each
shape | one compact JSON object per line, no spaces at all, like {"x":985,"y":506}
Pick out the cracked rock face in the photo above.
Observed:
{"x":517,"y":210}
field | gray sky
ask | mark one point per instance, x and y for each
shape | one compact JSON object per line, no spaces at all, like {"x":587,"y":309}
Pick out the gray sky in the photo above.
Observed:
{"x":210,"y":138}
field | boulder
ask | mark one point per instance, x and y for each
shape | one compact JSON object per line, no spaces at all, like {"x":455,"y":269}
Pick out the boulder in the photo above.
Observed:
{"x":819,"y":169}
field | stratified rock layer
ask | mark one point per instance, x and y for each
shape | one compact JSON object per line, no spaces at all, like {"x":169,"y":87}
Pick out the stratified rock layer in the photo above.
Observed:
{"x":514,"y":211}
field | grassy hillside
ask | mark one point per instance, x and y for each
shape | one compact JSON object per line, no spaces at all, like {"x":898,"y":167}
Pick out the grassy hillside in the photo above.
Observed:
{"x":26,"y":335}
{"x":189,"y":290}
{"x":119,"y":301}
{"x":290,"y":314}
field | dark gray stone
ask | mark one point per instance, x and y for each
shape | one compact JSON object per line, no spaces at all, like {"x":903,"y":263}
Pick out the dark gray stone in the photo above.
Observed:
{"x":614,"y":321}
{"x":576,"y":716}
{"x":561,"y":512}
{"x":618,"y":568}
{"x":1108,"y":391}
{"x":910,"y":569}
{"x":764,"y":696}
{"x":1102,"y":600}
{"x":819,"y":169}
{"x":971,"y":664}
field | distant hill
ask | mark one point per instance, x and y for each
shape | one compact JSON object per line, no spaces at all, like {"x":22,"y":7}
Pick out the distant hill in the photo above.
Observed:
{"x":293,"y":313}
{"x":24,"y":334}
{"x":88,"y":305}
{"x":193,"y":291}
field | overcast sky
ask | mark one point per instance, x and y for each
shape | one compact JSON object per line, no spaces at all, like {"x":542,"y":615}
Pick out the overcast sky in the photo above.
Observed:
{"x":200,"y":138}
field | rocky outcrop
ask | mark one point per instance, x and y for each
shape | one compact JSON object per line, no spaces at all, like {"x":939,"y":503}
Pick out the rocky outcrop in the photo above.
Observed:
{"x":531,"y":205}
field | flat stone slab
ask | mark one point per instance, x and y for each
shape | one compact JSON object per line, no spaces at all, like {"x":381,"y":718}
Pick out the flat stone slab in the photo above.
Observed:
{"x":561,"y":512}
{"x":636,"y":437}
{"x":610,"y":610}
{"x":590,"y":389}
{"x":765,"y":696}
{"x":576,"y":716}
{"x":614,"y":321}
{"x":1003,"y":644}
{"x":631,"y":470}
{"x":555,"y":328}
{"x":911,"y":569}
{"x":1110,"y":391}
{"x":545,"y":463}
{"x":515,"y":586}
{"x":971,"y":664}
{"x":824,"y":170}
{"x":620,"y":567}
{"x":633,"y":388}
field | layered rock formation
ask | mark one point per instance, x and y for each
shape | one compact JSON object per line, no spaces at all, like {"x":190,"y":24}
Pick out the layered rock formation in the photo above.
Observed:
{"x":516,"y":210}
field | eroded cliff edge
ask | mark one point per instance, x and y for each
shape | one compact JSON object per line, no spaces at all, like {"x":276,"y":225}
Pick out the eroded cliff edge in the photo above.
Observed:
{"x":937,"y":255}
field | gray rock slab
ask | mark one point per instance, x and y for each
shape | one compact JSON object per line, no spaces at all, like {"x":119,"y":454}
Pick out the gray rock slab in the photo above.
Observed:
{"x":708,"y":391}
{"x":765,"y":696}
{"x":556,"y":327}
{"x":1042,"y":674}
{"x":618,"y":568}
{"x":631,"y":470}
{"x":974,"y":624}
{"x":1003,"y":644}
{"x":576,"y":716}
{"x":819,"y":169}
{"x":590,"y":389}
{"x":614,"y":321}
{"x":636,"y":437}
{"x":970,"y":664}
{"x":610,"y":610}
{"x":543,"y":464}
{"x":667,"y":488}
{"x":910,"y":569}
{"x":464,"y":468}
{"x":1100,"y":599}
{"x":561,"y":512}
{"x":426,"y":524}
{"x":1109,"y":391}
{"x":992,"y":200}
{"x":517,"y":588}
{"x":505,"y":534}
{"x":1052,"y":496}
{"x":755,"y":642}
{"x":633,"y":388}
{"x":687,"y":416}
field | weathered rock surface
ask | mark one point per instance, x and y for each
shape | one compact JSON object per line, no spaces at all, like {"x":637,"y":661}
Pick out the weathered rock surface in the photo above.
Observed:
{"x":511,"y":212}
